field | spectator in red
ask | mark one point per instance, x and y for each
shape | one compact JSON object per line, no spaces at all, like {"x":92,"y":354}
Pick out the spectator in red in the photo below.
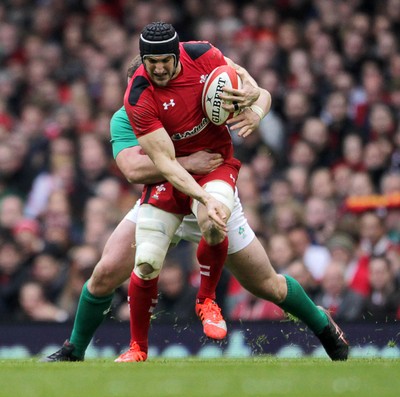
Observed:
{"x":27,"y":233}
{"x":374,"y":241}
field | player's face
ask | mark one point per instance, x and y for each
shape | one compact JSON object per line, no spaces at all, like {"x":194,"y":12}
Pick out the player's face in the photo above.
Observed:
{"x":161,"y":69}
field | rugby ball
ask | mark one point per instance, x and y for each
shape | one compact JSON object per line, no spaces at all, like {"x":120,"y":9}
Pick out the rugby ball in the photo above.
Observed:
{"x":222,"y":76}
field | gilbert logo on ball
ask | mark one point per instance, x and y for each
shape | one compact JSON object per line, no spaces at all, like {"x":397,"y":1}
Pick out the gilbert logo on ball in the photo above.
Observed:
{"x":222,"y":76}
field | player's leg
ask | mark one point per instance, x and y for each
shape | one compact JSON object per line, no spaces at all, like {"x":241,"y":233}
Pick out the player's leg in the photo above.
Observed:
{"x":114,"y":267}
{"x":154,"y":231}
{"x":250,"y":264}
{"x":211,"y":255}
{"x":252,"y":268}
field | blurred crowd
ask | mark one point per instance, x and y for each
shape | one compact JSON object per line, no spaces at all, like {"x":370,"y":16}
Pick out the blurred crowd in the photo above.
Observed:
{"x":320,"y":182}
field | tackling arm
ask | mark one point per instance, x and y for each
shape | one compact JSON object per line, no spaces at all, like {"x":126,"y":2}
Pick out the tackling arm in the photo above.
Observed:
{"x":137,"y":167}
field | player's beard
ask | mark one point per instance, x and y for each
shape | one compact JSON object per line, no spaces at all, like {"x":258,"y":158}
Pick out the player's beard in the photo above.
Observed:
{"x":164,"y":79}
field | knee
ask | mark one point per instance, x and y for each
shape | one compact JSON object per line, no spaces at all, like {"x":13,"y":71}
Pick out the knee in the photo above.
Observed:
{"x":212,"y":235}
{"x":146,"y":272}
{"x":107,"y":276}
{"x":100,"y":284}
{"x":276,"y":288}
{"x":154,"y":231}
{"x":149,"y":259}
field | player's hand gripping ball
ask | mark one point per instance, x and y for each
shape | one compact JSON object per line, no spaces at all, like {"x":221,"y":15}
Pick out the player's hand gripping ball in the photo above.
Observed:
{"x":222,"y":76}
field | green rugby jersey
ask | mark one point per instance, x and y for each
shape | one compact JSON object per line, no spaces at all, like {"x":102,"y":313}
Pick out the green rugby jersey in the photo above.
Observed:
{"x":122,"y":135}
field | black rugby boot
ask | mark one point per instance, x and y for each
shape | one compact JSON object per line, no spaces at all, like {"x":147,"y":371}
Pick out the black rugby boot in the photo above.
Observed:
{"x":333,"y":340}
{"x":64,"y":354}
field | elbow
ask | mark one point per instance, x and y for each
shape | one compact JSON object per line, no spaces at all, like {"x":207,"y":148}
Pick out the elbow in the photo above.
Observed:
{"x":139,"y":178}
{"x":130,"y":175}
{"x":134,"y":177}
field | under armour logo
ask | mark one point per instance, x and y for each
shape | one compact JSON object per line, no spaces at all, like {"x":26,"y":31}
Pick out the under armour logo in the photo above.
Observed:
{"x":167,"y":105}
{"x":203,"y":78}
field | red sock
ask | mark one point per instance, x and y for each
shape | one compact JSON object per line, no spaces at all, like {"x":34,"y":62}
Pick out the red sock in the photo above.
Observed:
{"x":211,"y":259}
{"x":142,"y":300}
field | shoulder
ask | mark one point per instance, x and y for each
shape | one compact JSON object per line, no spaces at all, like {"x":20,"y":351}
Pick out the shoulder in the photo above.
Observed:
{"x":202,"y":55}
{"x":119,"y":123}
{"x":139,"y":84}
{"x":119,"y":115}
{"x":196,"y":49}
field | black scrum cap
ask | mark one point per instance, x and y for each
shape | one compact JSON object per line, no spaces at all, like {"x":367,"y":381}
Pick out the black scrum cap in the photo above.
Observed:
{"x":159,"y":38}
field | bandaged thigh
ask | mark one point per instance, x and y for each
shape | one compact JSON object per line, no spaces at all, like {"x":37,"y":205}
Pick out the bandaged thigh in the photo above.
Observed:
{"x":154,"y":231}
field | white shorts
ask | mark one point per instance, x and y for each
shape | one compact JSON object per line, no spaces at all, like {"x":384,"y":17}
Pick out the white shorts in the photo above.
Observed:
{"x":240,"y":234}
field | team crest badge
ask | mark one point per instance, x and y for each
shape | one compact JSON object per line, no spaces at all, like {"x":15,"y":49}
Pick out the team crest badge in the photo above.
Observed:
{"x":159,"y":189}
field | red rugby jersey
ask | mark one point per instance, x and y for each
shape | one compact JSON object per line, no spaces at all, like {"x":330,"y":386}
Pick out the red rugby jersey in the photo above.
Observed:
{"x":177,"y":107}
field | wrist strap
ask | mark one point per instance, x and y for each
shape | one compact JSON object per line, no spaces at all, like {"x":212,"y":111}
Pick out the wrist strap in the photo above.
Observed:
{"x":258,"y":110}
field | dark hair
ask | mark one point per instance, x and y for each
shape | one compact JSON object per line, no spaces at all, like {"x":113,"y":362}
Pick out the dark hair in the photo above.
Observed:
{"x":133,"y":66}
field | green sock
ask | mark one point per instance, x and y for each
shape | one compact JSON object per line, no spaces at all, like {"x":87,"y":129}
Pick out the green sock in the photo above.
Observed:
{"x":298,"y":304}
{"x":90,"y":313}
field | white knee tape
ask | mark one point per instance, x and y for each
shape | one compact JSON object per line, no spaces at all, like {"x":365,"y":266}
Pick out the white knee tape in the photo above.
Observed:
{"x":154,"y":231}
{"x":221,"y":191}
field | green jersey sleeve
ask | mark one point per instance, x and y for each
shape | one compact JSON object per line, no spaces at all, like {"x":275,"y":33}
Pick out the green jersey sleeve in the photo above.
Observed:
{"x":122,"y":135}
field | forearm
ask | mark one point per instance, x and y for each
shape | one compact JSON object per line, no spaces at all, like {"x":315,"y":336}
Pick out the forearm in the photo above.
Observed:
{"x":137,"y":167}
{"x":181,"y":179}
{"x":159,"y":147}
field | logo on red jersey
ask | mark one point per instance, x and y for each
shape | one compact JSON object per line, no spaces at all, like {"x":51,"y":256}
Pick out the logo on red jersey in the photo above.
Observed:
{"x":159,"y":189}
{"x":203,"y":78}
{"x":167,"y":105}
{"x":194,"y":131}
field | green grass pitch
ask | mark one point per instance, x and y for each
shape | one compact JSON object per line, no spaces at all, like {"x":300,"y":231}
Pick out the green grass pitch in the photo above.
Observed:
{"x":192,"y":377}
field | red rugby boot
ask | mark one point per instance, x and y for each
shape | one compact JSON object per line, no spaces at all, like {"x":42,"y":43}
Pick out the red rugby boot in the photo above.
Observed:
{"x":134,"y":354}
{"x":214,"y":325}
